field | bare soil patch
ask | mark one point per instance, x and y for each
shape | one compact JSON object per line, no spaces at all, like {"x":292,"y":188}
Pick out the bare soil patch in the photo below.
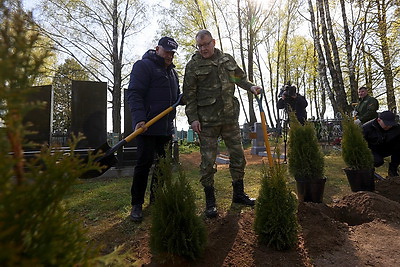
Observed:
{"x":361,"y":229}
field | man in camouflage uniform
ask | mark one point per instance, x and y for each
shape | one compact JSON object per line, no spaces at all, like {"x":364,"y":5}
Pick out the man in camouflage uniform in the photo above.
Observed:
{"x":213,"y":111}
{"x":367,"y":107}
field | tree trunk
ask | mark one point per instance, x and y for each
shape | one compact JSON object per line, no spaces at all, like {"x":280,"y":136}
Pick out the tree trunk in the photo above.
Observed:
{"x":116,"y":91}
{"x":250,"y":72}
{"x":340,"y":92}
{"x":268,"y":113}
{"x":387,"y":66}
{"x":214,"y":15}
{"x":321,"y":60}
{"x":328,"y":56}
{"x":349,"y":54}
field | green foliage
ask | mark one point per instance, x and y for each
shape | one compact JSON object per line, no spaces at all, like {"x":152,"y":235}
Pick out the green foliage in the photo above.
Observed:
{"x":176,"y":228}
{"x":187,"y":148}
{"x":35,"y":228}
{"x":275,"y":222}
{"x":355,"y":151}
{"x":306,"y":160}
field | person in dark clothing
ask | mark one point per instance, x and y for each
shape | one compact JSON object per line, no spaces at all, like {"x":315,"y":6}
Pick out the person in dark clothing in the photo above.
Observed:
{"x":292,"y":101}
{"x":383,"y":137}
{"x":153,"y":87}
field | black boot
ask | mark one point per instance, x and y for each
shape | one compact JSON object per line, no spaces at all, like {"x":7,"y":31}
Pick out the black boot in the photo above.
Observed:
{"x":239,"y":196}
{"x":393,"y":170}
{"x":136,"y":213}
{"x":211,"y":209}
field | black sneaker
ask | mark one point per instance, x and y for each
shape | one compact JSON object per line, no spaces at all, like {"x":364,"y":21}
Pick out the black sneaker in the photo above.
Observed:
{"x":211,"y":212}
{"x":136,"y":213}
{"x":243,"y":199}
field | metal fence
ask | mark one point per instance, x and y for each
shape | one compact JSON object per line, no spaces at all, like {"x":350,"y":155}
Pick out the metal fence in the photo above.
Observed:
{"x":329,"y":131}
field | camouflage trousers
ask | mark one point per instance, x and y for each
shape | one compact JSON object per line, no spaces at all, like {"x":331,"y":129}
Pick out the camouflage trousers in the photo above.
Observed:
{"x":208,"y":136}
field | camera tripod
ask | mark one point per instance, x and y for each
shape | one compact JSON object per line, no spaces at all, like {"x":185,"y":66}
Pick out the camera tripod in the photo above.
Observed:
{"x":282,"y":128}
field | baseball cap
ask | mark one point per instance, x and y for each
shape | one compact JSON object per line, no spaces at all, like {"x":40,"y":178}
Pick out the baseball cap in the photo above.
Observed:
{"x":168,"y":44}
{"x":388,"y":118}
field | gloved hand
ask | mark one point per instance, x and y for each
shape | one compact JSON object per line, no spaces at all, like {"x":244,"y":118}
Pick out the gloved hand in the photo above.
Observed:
{"x":358,"y":122}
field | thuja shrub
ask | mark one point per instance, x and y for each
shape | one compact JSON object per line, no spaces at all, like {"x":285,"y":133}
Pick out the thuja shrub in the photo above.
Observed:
{"x":35,"y":228}
{"x":276,"y":222}
{"x":306,"y":160}
{"x":355,"y":151}
{"x":176,"y":230}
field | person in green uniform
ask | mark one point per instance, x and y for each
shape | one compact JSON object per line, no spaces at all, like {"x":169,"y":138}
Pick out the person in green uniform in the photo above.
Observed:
{"x":213,"y":111}
{"x":367,"y":107}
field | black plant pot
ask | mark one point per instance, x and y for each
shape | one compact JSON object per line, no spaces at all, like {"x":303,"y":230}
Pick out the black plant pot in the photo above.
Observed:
{"x":360,"y":180}
{"x":310,"y":191}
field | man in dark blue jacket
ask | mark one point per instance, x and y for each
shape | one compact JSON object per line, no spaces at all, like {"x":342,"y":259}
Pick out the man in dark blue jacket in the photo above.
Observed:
{"x":153,"y":87}
{"x":383,"y":137}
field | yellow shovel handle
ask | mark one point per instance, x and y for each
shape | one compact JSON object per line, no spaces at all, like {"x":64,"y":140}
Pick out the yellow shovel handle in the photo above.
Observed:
{"x":148,"y":124}
{"x":266,"y":141}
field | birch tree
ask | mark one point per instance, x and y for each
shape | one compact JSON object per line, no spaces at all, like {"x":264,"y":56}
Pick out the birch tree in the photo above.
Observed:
{"x":322,"y":70}
{"x":386,"y":39}
{"x":349,"y":54}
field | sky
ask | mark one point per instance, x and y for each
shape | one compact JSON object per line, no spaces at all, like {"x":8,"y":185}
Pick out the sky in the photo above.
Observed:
{"x":29,"y":4}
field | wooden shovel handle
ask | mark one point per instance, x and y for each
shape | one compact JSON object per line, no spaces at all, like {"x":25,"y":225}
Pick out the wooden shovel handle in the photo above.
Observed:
{"x":148,"y":124}
{"x":153,"y":120}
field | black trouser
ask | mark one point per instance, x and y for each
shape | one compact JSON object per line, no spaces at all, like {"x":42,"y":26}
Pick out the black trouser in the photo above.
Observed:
{"x":148,"y":146}
{"x":379,"y":156}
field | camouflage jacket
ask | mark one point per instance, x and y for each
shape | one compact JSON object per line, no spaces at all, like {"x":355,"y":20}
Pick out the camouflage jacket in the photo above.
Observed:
{"x":366,"y":109}
{"x":209,"y":87}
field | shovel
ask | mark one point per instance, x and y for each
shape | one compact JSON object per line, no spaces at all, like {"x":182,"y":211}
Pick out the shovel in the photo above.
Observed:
{"x":264,"y":128}
{"x":108,"y":159}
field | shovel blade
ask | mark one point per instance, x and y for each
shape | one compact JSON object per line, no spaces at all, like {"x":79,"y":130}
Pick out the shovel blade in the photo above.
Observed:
{"x":106,"y":162}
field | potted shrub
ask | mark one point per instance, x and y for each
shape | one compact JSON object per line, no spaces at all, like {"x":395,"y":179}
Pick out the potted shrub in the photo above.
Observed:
{"x":306,"y":161}
{"x":358,"y":158}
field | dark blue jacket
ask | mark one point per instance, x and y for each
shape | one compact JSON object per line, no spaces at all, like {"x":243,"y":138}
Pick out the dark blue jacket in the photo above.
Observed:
{"x":152,"y":89}
{"x":380,"y":140}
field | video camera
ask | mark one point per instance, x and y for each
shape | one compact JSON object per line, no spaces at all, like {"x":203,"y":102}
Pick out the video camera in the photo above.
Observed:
{"x":288,"y":91}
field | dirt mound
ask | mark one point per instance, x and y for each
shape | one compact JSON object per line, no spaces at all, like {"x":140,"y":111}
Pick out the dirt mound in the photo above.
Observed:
{"x":389,"y":188}
{"x":362,"y":207}
{"x":361,"y":229}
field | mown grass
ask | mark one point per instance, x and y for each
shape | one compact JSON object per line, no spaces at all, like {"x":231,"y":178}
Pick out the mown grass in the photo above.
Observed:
{"x":96,"y":199}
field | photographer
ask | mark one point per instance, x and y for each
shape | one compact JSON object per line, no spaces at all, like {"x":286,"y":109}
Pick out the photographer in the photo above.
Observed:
{"x":290,"y":100}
